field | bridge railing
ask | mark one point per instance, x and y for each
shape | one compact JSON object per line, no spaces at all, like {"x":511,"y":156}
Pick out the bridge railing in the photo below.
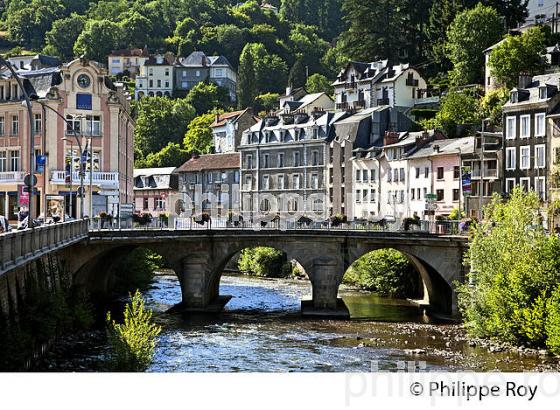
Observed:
{"x":17,"y":247}
{"x":216,"y":224}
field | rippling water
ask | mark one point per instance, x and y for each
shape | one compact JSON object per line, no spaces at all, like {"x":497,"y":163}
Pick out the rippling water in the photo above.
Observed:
{"x":261,"y":330}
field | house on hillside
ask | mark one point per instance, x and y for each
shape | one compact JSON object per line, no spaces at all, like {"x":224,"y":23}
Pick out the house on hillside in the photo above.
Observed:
{"x":156,"y":77}
{"x":127,"y":61}
{"x":228,"y":128}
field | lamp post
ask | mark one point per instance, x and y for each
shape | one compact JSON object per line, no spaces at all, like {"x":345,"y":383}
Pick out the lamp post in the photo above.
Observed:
{"x":31,"y":139}
{"x":78,"y":140}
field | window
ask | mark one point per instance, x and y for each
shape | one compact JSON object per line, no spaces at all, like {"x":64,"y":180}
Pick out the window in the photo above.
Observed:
{"x":426,"y":172}
{"x":280,"y":181}
{"x":510,"y":184}
{"x":372,"y":195}
{"x":72,"y":125}
{"x":2,"y":126}
{"x":266,"y":182}
{"x":440,"y":173}
{"x":296,"y":159}
{"x":210,"y":177}
{"x":456,"y":172}
{"x":358,"y":175}
{"x":183,"y":74}
{"x":372,"y":175}
{"x":295,"y":181}
{"x":197,"y":73}
{"x":159,"y":83}
{"x":151,"y":82}
{"x":3,"y":162}
{"x":525,"y":157}
{"x":37,"y":123}
{"x":93,"y":125}
{"x":365,"y":175}
{"x":510,"y":128}
{"x":358,"y":196}
{"x":151,"y":71}
{"x":315,"y":158}
{"x":396,"y":175}
{"x":440,"y":194}
{"x":364,"y":196}
{"x":543,"y":94}
{"x":14,"y":160}
{"x":281,"y":160}
{"x":425,"y":192}
{"x":525,"y":130}
{"x":540,"y":129}
{"x":511,"y":161}
{"x":389,"y":176}
{"x":417,"y":172}
{"x":525,"y":183}
{"x":540,"y":156}
{"x":167,"y":84}
{"x":249,"y":161}
{"x":314,"y":181}
{"x":418,"y":194}
{"x":167,"y":72}
{"x":540,"y":187}
{"x":389,"y":197}
{"x":413,"y":194}
{"x":248,"y":183}
{"x":401,"y":197}
{"x":159,"y":204}
{"x":265,"y":161}
{"x":15,"y":125}
{"x":456,"y":195}
{"x":145,"y":203}
{"x":402,"y":177}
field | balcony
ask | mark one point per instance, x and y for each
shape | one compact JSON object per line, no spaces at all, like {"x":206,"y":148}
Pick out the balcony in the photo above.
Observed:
{"x":359,"y":104}
{"x":11,"y":177}
{"x":383,"y":101}
{"x":350,"y":85}
{"x":343,"y":106}
{"x":488,"y":173}
{"x":106,"y":180}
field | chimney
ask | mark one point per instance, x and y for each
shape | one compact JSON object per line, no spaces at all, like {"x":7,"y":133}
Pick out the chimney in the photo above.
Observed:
{"x":423,"y":139}
{"x":391,"y":138}
{"x":288,"y":90}
{"x":525,"y":80}
{"x":217,"y":118}
{"x":436,"y":148}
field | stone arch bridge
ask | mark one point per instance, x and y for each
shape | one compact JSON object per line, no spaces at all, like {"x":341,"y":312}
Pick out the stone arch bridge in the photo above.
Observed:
{"x":198,"y":257}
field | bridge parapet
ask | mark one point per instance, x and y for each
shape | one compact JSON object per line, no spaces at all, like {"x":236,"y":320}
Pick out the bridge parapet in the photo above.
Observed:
{"x":20,"y":247}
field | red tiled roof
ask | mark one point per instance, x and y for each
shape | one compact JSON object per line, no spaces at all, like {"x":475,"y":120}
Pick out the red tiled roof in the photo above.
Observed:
{"x":221,"y":119}
{"x":211,"y":162}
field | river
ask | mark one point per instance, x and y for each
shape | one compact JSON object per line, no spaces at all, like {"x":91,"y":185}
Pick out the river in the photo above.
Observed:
{"x":261,"y":330}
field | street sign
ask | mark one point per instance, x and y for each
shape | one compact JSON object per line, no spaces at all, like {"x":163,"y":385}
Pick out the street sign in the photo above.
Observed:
{"x":431,"y":197}
{"x":30,"y":181}
{"x":40,"y":162}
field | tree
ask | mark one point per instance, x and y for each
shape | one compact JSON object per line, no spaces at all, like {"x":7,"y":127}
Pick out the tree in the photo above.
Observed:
{"x":266,"y":102}
{"x":318,"y":83}
{"x":205,"y":97}
{"x":457,"y":108}
{"x":199,"y":138}
{"x":491,"y":105}
{"x":136,"y":29}
{"x":298,"y":76}
{"x":28,"y":24}
{"x":469,"y":35}
{"x":308,"y":46}
{"x":518,"y":54}
{"x":172,"y":155}
{"x":61,"y":37}
{"x":98,"y":39}
{"x":160,"y":121}
{"x":246,"y":78}
{"x":326,"y":15}
{"x":514,"y":274}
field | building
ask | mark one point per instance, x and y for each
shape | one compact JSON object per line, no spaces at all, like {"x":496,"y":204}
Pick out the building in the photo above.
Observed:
{"x":435,"y":168}
{"x":210,"y":183}
{"x":156,"y":77}
{"x":99,"y":111}
{"x":292,"y":94}
{"x":541,"y":11}
{"x":128,"y":62}
{"x":528,"y":135}
{"x":368,"y":85}
{"x":34,"y":62}
{"x":363,"y":130}
{"x":155,"y":190}
{"x":487,"y":179}
{"x":283,"y":163}
{"x":198,"y":67}
{"x":228,"y":128}
{"x":308,"y":104}
{"x":365,"y":168}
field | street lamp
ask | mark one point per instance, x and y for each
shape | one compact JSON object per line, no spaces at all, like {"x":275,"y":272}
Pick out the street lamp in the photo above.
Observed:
{"x":31,"y":139}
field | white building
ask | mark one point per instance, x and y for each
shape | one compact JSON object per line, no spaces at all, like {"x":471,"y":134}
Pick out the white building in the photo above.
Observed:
{"x":365,"y":168}
{"x":128,"y":61}
{"x":156,"y":77}
{"x":367,"y":85}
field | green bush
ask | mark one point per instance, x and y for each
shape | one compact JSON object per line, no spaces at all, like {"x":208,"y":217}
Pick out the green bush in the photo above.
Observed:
{"x":553,"y":322}
{"x":133,"y":342}
{"x":267,"y":262}
{"x":514,"y":271}
{"x":136,"y":270}
{"x":386,"y":272}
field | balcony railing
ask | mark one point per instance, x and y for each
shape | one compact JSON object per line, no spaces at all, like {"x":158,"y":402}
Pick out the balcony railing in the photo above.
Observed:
{"x":102,"y":179}
{"x":359,"y":104}
{"x":383,"y":101}
{"x":350,"y":85}
{"x":488,"y":173}
{"x":11,"y":177}
{"x":344,"y":106}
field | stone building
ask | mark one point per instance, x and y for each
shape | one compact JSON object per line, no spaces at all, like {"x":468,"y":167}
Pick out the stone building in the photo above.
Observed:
{"x":228,"y":128}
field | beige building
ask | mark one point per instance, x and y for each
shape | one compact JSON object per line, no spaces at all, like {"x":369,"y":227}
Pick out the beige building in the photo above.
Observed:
{"x":127,"y":61}
{"x":81,"y":93}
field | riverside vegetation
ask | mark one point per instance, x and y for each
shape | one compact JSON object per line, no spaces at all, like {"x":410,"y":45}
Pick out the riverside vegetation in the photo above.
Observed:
{"x":513,"y":293}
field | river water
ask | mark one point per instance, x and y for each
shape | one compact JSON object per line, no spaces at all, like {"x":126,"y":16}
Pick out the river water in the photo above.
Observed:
{"x":261,"y":330}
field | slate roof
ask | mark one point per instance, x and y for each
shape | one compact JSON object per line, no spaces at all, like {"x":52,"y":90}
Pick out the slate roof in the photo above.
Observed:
{"x":211,"y":162}
{"x":200,"y":59}
{"x":451,"y":146}
{"x":530,"y":94}
{"x":153,"y":178}
{"x":222,"y":119}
